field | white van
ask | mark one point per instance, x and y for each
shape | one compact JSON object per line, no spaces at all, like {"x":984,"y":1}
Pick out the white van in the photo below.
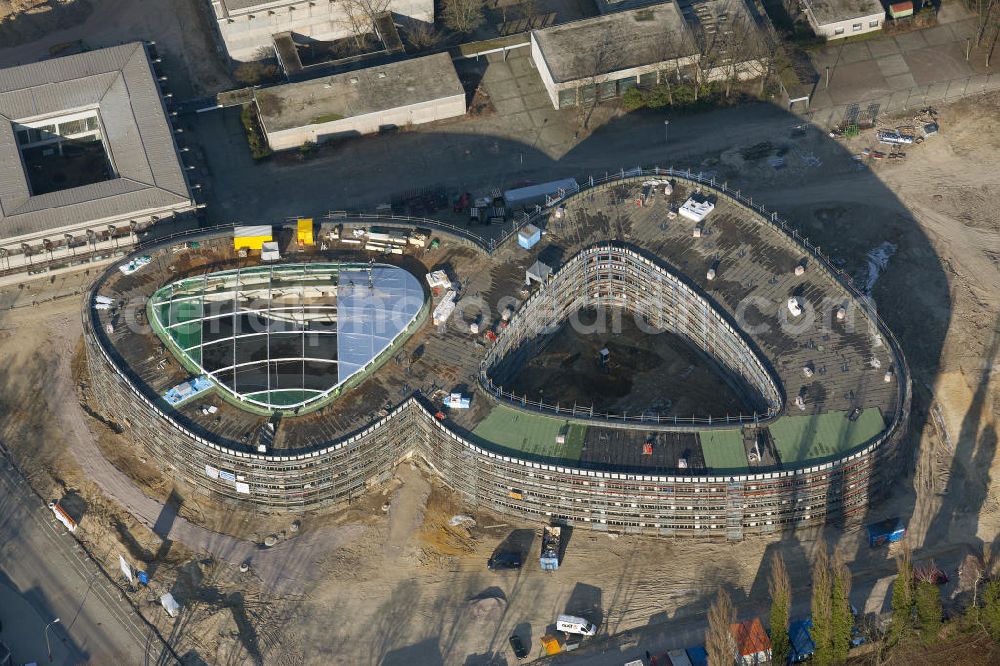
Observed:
{"x":572,"y":624}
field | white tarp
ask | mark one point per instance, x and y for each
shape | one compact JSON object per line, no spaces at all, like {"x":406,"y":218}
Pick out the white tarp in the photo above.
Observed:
{"x":370,"y":314}
{"x":170,"y":604}
{"x":444,"y":309}
{"x":126,"y":568}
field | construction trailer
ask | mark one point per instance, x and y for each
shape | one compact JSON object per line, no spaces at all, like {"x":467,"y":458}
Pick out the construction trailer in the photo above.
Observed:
{"x":251,"y":238}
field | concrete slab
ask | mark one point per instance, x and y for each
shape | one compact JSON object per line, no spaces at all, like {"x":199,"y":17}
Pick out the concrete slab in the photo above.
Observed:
{"x":509,"y":105}
{"x":883,"y":47}
{"x":857,"y":82}
{"x":538,"y":100}
{"x":901,"y":81}
{"x":937,"y":91}
{"x":939,"y":34}
{"x":911,"y":41}
{"x":892,"y":65}
{"x":957,"y":89}
{"x":938,"y":64}
{"x":855,"y":52}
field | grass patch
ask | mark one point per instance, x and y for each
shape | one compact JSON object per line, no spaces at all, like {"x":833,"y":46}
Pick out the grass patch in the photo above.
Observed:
{"x":532,"y":434}
{"x":326,"y":118}
{"x":801,"y":438}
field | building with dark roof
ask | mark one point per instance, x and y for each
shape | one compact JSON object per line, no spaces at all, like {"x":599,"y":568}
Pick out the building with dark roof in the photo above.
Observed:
{"x":86,"y":152}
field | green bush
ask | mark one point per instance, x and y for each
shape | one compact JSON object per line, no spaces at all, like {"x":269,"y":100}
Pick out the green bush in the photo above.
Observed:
{"x":633,"y":99}
{"x":258,"y":145}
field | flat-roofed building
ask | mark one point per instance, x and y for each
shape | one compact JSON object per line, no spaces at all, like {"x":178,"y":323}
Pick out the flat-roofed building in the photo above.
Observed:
{"x":86,"y":154}
{"x":835,"y":19}
{"x":605,"y":55}
{"x":409,"y":92}
{"x":602,"y":57}
{"x":247,"y":26}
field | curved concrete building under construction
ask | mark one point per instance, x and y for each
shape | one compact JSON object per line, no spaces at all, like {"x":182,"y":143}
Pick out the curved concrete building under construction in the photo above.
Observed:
{"x":301,"y":384}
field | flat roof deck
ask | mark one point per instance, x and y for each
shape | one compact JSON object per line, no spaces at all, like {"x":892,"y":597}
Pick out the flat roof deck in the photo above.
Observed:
{"x":834,"y":11}
{"x":361,"y":92}
{"x":615,"y":42}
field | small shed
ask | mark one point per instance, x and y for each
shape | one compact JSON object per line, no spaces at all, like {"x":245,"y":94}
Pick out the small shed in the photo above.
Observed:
{"x":539,"y":272}
{"x":753,"y":646}
{"x":901,"y":9}
{"x":529,"y":236}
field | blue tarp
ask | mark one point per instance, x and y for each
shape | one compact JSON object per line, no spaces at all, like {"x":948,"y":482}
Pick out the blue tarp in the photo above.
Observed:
{"x":886,"y":531}
{"x":801,"y":640}
{"x":187,"y":390}
{"x":697,"y":655}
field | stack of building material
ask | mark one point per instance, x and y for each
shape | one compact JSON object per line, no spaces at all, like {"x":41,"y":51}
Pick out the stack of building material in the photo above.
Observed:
{"x":444,"y":309}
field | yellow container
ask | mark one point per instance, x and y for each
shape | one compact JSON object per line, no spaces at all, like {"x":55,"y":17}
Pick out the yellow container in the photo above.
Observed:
{"x":305,"y":231}
{"x":251,"y":238}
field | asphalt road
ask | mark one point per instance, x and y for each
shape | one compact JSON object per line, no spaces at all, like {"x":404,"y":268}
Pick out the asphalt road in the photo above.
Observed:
{"x":44,"y":574}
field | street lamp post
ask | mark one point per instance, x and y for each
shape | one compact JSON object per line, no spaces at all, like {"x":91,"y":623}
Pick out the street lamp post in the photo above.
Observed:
{"x":666,"y":130}
{"x":48,"y":646}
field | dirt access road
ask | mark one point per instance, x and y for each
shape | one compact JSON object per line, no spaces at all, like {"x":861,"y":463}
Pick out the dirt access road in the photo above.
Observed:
{"x":410,"y":588}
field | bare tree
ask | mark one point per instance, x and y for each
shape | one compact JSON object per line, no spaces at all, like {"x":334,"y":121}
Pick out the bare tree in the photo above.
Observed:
{"x":602,"y":57}
{"x":719,"y":642}
{"x":730,"y":45}
{"x":360,"y":17}
{"x":463,"y":15}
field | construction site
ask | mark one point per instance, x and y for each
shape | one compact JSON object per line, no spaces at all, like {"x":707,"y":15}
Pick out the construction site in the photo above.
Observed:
{"x":266,"y":422}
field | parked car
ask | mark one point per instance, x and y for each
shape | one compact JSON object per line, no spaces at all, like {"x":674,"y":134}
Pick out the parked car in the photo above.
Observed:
{"x":505,"y":560}
{"x":517,"y":645}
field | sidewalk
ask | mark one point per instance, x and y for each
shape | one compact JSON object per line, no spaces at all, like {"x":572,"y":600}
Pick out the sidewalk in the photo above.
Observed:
{"x":888,"y":74}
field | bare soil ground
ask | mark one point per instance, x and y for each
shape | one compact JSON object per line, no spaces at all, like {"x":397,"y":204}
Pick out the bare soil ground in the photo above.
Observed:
{"x":409,"y":587}
{"x":646,"y":371}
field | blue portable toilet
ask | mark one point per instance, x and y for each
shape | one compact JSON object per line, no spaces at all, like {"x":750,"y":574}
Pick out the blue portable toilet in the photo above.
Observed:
{"x":697,"y":655}
{"x":799,"y":635}
{"x":886,"y":531}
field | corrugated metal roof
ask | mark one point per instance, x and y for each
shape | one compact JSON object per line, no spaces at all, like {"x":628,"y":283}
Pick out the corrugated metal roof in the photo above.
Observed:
{"x":119,"y":83}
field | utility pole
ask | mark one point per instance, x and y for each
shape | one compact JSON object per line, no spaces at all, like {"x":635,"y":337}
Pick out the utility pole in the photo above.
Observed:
{"x":827,"y":77}
{"x":48,"y":646}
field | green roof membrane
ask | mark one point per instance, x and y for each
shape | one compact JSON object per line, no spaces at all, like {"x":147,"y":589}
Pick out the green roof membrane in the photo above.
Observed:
{"x":815,"y":437}
{"x":723,"y":449}
{"x":533,"y":434}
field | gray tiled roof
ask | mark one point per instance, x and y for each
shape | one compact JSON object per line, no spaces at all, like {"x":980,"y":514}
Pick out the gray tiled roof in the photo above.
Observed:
{"x":120,"y":83}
